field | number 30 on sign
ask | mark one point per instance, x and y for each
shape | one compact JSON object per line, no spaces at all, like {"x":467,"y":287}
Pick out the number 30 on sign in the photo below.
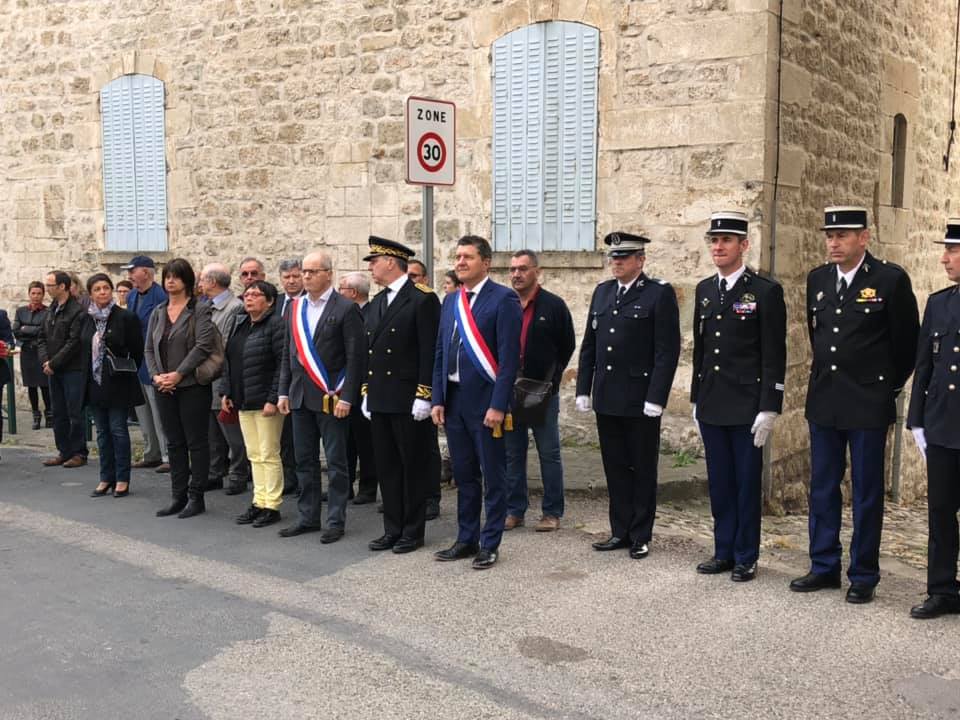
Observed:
{"x":431,"y":142}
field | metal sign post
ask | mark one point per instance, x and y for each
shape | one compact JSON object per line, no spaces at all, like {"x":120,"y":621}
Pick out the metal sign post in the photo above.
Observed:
{"x":430,"y":159}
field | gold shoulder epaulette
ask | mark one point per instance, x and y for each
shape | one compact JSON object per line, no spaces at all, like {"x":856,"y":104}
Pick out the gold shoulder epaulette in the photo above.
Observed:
{"x":423,"y":288}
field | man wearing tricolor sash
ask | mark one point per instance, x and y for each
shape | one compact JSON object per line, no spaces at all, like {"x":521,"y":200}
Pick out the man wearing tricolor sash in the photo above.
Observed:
{"x":319,"y":383}
{"x":477,"y":355}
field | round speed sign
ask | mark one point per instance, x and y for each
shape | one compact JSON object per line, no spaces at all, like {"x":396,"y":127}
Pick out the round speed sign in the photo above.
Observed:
{"x":431,"y":152}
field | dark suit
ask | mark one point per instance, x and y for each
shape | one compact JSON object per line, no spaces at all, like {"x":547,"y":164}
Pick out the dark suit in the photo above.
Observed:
{"x":935,"y":407}
{"x":360,"y":454}
{"x":6,"y":335}
{"x":338,"y":337}
{"x":739,"y":362}
{"x":287,"y":457}
{"x":863,"y":352}
{"x":478,"y":458}
{"x":401,"y":338}
{"x":628,"y":357}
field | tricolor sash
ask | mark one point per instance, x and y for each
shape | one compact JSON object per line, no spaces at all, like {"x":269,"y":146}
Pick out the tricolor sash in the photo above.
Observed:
{"x":473,"y":343}
{"x":308,"y":354}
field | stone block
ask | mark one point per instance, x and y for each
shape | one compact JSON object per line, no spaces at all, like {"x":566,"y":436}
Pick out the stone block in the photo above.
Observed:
{"x":377,"y":43}
{"x":668,"y":127}
{"x":180,"y":189}
{"x":348,"y":174}
{"x":383,"y":201}
{"x":678,"y":41}
{"x":796,"y":85}
{"x":357,"y":201}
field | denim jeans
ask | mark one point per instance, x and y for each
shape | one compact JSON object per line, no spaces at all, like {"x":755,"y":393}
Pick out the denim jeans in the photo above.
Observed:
{"x":66,"y":395}
{"x":113,"y":443}
{"x":547,"y":439}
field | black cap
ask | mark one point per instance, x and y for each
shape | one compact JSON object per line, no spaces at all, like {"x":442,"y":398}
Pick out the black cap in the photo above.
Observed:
{"x":728,"y":222}
{"x":952,"y":236}
{"x":381,"y":246}
{"x":844,"y":218}
{"x":624,"y":244}
{"x":140,"y":261}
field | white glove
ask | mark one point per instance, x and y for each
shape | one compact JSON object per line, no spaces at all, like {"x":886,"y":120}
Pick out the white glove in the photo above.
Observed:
{"x":583,"y":403}
{"x":363,"y":408}
{"x":651,"y":410}
{"x":762,"y":427}
{"x":696,"y":423}
{"x":421,"y":409}
{"x":920,"y":438}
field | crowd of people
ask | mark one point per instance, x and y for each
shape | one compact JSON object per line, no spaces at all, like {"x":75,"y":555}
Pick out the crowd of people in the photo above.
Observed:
{"x":229,"y":390}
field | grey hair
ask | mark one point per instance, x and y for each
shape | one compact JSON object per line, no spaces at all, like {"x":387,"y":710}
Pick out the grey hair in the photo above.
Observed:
{"x":359,"y":282}
{"x":253,"y":259}
{"x":534,"y":260}
{"x":288,"y":265}
{"x":221,"y":278}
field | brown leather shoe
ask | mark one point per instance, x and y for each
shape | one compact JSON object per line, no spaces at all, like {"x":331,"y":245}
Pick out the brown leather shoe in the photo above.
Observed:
{"x":75,"y":462}
{"x":163,"y":468}
{"x":54,"y":461}
{"x":512,"y":522}
{"x":548,"y":523}
{"x":141,"y":464}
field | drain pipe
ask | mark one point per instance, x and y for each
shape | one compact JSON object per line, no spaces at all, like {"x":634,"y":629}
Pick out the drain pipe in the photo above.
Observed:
{"x":767,"y":476}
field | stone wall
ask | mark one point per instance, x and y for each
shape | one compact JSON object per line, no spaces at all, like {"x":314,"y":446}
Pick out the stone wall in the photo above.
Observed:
{"x":848,"y":69}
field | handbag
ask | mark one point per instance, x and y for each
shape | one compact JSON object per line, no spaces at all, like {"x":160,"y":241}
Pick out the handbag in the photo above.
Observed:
{"x":212,"y":366}
{"x":530,"y":399}
{"x":119,"y":365}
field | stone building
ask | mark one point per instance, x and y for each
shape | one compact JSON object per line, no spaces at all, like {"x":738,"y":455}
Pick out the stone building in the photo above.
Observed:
{"x":234,"y":127}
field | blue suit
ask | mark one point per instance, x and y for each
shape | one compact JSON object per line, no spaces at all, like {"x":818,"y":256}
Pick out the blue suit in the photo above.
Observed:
{"x":478,"y":459}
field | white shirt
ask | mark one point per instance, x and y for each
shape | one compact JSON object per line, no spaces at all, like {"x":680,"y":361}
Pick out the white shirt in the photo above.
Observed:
{"x":287,"y":299}
{"x":849,"y":276}
{"x":315,"y":309}
{"x":732,"y":278}
{"x":455,"y":375}
{"x":395,"y":287}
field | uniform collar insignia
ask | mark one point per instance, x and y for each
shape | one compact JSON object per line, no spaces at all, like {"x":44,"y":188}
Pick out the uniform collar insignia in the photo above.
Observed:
{"x":705,"y":301}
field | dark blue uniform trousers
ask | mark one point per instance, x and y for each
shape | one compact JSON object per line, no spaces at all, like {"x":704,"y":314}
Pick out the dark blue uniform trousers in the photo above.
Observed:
{"x":734,"y":471}
{"x":828,"y":459}
{"x":479,"y":467}
{"x":943,"y":504}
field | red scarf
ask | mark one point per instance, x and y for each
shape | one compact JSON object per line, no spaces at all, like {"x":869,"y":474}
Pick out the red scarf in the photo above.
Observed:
{"x":36,"y":308}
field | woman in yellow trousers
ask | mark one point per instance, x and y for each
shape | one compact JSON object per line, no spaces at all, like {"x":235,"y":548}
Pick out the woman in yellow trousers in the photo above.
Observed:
{"x":249,"y":388}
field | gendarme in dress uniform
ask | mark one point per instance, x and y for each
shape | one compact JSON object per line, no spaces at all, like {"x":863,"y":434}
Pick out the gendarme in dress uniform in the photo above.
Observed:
{"x":862,"y":322}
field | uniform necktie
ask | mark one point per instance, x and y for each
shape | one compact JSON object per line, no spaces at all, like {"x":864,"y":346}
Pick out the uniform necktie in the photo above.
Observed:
{"x":841,"y":287}
{"x":385,"y":304}
{"x":723,"y":289}
{"x":455,"y":342}
{"x":620,"y":293}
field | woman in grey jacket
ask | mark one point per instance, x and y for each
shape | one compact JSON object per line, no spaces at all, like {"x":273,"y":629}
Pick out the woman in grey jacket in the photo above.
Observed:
{"x":180,"y":337}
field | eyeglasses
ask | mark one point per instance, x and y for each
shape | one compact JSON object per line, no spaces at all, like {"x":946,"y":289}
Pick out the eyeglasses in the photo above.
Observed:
{"x":313,"y":271}
{"x":250,"y":273}
{"x":253,"y":294}
{"x":342,"y":290}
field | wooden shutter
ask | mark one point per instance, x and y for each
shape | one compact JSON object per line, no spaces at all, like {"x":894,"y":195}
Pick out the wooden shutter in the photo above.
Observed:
{"x":134,"y":163}
{"x":545,"y":130}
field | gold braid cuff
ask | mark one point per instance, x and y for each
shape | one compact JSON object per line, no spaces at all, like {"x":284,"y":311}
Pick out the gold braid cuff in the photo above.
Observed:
{"x":424,"y":392}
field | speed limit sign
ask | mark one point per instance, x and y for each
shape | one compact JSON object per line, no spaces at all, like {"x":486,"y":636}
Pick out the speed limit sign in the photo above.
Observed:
{"x":431,"y":141}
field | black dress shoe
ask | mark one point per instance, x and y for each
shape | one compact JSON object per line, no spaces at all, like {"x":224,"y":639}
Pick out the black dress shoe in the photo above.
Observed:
{"x":267,"y":517}
{"x":935,"y":606}
{"x":457,"y":551}
{"x":173,"y":508}
{"x":639,"y":550}
{"x":612,"y":543}
{"x":297,"y":529}
{"x":97,"y":492}
{"x":744,"y":573}
{"x":363,"y":499}
{"x":384,"y":542}
{"x":331,"y":535}
{"x":235,"y":488}
{"x":195,"y":506}
{"x":249,"y":515}
{"x":405,"y":545}
{"x":811,"y":582}
{"x":121,"y":493}
{"x":432,"y":509}
{"x":860,"y":594}
{"x":215,"y":484}
{"x":485,"y":559}
{"x":714,"y":566}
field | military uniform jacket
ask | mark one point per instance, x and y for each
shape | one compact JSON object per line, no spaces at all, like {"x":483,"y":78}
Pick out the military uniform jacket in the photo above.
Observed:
{"x":739,"y":350}
{"x":935,"y":400}
{"x":863,"y":346}
{"x":630,"y":350}
{"x":400,"y":348}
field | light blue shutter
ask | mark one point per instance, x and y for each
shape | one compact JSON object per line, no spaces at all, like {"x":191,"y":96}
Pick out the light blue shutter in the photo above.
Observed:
{"x":134,"y":163}
{"x":544,"y":144}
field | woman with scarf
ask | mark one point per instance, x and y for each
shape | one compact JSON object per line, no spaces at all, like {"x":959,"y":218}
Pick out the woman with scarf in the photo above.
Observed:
{"x":111,"y":342}
{"x":26,"y":326}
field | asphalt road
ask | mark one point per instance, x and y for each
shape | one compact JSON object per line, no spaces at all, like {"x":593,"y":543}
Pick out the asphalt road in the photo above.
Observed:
{"x":109,"y":612}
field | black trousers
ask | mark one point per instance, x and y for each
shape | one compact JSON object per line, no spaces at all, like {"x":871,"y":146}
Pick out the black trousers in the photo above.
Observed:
{"x":943,"y":504}
{"x":287,"y":456}
{"x":400,"y":445}
{"x":184,"y":414}
{"x":360,"y":448}
{"x":630,"y":449}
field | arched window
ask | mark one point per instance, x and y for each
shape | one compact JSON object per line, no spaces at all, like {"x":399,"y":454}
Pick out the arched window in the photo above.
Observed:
{"x":545,"y":137}
{"x":134,"y":163}
{"x":899,"y":160}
